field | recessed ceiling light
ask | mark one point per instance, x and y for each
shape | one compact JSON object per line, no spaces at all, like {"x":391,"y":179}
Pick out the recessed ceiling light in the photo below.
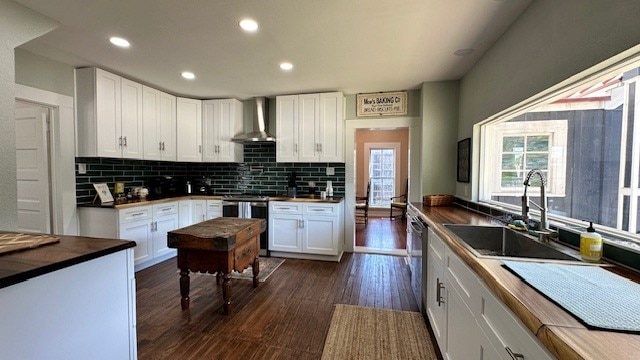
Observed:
{"x":286,"y":66}
{"x":463,"y":52}
{"x":120,"y":42}
{"x":249,"y":25}
{"x":188,"y":75}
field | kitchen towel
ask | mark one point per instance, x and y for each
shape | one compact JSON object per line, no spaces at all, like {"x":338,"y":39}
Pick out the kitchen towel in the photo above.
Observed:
{"x":599,"y":298}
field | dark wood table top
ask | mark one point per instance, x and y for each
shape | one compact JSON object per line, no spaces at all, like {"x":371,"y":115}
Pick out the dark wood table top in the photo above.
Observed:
{"x":215,"y":234}
{"x":23,"y":265}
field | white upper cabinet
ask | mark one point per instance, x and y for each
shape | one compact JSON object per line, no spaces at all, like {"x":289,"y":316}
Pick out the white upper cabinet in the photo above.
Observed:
{"x":159,"y":124}
{"x":189,"y":130}
{"x":222,"y":121}
{"x":109,"y":118}
{"x":310,"y":128}
{"x":287,"y":128}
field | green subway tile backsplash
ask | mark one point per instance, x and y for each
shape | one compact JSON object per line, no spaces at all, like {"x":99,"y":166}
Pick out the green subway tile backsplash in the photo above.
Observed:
{"x":258,"y":174}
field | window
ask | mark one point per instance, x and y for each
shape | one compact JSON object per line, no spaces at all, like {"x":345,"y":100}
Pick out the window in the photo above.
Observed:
{"x":585,"y":139}
{"x":521,"y":146}
{"x":382,"y":172}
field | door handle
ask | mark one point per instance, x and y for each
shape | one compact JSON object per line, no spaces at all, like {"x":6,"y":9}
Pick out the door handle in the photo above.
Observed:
{"x":514,"y":356}
{"x":160,"y":145}
{"x":440,"y":287}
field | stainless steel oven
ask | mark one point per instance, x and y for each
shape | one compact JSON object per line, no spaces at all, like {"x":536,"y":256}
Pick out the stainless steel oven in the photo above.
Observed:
{"x":249,"y":207}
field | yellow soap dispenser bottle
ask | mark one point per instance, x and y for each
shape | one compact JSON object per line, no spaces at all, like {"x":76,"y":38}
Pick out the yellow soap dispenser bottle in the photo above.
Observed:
{"x":591,"y":245}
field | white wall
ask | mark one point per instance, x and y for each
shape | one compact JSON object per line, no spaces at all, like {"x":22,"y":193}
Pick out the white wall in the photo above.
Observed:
{"x":551,"y":41}
{"x":17,"y":26}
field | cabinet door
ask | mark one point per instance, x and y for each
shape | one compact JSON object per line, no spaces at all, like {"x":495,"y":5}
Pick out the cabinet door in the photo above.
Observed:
{"x":230,"y":124}
{"x":320,"y":235}
{"x":185,"y":213}
{"x":309,"y":114}
{"x":162,"y":225}
{"x":108,"y":114}
{"x":140,"y":232}
{"x":436,"y":302}
{"x":287,"y":128}
{"x":168,"y":126}
{"x":189,"y":130}
{"x":463,"y":333}
{"x":151,"y":123}
{"x":199,"y":211}
{"x":284,"y":233}
{"x":331,"y":127}
{"x":209,"y":131}
{"x":131,"y":119}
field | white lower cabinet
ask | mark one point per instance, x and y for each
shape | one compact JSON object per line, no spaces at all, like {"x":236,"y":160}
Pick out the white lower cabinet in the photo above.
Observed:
{"x":185,"y":213}
{"x":199,"y":211}
{"x":147,"y":225}
{"x":468,"y":321}
{"x":214,"y":209}
{"x":305,"y":228}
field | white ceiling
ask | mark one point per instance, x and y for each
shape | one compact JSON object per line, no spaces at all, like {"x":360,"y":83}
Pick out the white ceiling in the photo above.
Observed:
{"x":352,"y":46}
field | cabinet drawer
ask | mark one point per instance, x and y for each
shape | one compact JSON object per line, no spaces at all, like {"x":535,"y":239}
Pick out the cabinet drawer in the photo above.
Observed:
{"x":320,"y":209}
{"x":436,"y":245}
{"x":460,"y":276}
{"x":135,"y":214}
{"x":285,"y":208}
{"x":503,"y":329}
{"x":165,"y":209}
{"x":214,"y":205}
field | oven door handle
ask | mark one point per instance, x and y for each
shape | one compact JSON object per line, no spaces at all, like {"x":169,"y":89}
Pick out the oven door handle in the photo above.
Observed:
{"x":229,"y":203}
{"x":418,"y":229}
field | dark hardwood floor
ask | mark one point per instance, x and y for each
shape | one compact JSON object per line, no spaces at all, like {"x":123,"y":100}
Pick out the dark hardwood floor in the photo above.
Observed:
{"x":382,"y":233}
{"x":286,"y":317}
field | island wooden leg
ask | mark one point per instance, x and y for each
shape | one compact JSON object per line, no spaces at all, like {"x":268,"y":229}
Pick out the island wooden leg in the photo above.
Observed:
{"x":184,"y":288}
{"x":256,"y":270}
{"x":226,"y":292}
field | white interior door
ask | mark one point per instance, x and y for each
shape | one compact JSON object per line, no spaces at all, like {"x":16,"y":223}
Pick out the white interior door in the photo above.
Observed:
{"x":32,"y":162}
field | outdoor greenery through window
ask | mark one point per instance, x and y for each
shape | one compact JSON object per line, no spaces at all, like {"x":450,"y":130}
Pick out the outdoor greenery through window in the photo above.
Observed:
{"x":382,"y":165}
{"x":586,"y":141}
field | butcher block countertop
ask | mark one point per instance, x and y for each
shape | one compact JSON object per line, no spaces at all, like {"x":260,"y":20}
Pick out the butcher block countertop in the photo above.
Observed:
{"x":129,"y":203}
{"x":563,"y":335}
{"x":23,"y":265}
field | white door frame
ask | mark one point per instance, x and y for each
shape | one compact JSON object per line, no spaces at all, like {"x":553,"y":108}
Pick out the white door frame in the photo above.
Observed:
{"x":63,"y":149}
{"x":415,"y":184}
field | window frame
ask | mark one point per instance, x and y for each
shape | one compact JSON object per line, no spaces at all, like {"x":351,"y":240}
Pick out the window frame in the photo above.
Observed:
{"x":620,"y":63}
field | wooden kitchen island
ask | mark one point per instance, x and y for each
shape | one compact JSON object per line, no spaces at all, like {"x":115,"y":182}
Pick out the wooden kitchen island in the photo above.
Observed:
{"x":217,"y":246}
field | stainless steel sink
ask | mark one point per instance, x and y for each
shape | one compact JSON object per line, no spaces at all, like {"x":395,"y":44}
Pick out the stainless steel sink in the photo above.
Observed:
{"x":501,"y":242}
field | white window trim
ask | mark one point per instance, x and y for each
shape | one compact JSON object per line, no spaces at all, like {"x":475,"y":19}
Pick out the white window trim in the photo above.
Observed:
{"x":557,"y":131}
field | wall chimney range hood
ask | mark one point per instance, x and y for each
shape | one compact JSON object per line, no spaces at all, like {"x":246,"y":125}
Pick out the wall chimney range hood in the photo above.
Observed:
{"x":258,"y":133}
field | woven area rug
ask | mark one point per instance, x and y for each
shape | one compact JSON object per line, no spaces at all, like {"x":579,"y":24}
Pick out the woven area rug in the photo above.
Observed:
{"x":267,"y":266}
{"x":367,"y":333}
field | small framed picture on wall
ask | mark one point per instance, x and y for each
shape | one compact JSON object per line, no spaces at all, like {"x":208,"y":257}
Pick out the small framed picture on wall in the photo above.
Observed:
{"x":464,"y":160}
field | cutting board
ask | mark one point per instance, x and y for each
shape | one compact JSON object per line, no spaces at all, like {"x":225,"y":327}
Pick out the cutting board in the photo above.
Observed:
{"x":10,"y":242}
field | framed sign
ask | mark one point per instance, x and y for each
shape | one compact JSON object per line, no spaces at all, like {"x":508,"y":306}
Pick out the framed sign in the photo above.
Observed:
{"x":103,"y":192}
{"x":464,"y":160}
{"x":378,"y":104}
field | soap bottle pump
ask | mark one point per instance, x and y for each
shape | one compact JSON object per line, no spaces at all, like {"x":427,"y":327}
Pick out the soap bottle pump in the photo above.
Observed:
{"x":329,"y":189}
{"x":591,"y":245}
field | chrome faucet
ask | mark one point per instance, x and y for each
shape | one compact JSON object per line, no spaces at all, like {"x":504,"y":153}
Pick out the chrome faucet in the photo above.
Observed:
{"x":543,"y":226}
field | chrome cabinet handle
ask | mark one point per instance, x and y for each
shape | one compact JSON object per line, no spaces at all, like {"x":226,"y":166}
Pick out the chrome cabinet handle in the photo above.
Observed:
{"x":440,"y":287}
{"x":319,"y":147}
{"x":160,"y":145}
{"x":514,"y":356}
{"x":295,"y":148}
{"x":120,"y":141}
{"x":137,"y":214}
{"x":125,"y":141}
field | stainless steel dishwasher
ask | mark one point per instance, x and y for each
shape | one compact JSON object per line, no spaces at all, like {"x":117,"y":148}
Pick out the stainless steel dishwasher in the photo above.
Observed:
{"x":418,"y":245}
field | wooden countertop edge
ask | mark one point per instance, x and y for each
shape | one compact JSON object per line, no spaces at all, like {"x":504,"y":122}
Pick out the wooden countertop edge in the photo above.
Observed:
{"x":563,"y":335}
{"x":334,"y":200}
{"x":58,"y":265}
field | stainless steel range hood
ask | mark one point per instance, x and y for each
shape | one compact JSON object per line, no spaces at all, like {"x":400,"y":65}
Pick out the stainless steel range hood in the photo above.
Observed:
{"x":259,"y":132}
